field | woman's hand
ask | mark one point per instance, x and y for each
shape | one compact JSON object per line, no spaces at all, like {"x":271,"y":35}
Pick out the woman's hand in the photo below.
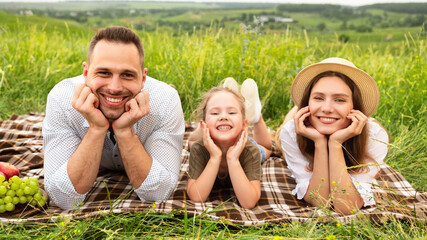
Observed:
{"x":358,"y":122}
{"x":209,"y":144}
{"x":234,"y":151}
{"x":303,"y":127}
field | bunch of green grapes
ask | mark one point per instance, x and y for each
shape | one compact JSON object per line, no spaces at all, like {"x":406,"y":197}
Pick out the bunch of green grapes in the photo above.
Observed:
{"x":20,"y":191}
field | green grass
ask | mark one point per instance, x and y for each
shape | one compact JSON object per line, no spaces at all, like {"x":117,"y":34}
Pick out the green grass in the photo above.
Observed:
{"x":152,"y":225}
{"x":34,"y":57}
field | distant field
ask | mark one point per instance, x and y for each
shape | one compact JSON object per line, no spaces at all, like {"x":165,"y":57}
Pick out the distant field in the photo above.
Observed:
{"x":88,"y":5}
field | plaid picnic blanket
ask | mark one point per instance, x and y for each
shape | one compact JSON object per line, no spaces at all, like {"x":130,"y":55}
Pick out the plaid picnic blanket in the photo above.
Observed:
{"x":21,"y":144}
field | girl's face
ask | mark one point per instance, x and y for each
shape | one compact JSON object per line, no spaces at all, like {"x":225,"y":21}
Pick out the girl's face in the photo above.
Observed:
{"x":330,"y":102}
{"x":224,"y":118}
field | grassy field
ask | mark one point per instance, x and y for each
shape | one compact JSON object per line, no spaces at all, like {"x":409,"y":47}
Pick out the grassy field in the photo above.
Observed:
{"x":36,"y":56}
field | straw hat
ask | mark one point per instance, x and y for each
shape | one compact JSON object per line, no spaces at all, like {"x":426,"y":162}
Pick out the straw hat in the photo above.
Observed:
{"x":367,"y":85}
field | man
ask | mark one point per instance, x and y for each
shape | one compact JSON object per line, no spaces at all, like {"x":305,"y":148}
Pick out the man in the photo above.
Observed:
{"x":112,"y":117}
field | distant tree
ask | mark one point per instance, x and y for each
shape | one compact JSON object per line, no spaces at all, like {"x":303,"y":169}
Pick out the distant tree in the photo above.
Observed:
{"x":363,"y":28}
{"x":375,"y":19}
{"x":418,"y":20}
{"x":250,"y":17}
{"x":343,"y":38}
{"x":385,"y":14}
{"x":321,"y":26}
{"x":138,"y":26}
{"x":343,"y":26}
{"x":385,"y":24}
{"x":415,"y":8}
{"x":310,"y":8}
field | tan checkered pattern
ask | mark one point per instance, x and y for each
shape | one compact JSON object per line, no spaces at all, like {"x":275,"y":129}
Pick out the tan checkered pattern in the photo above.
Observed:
{"x":21,"y":145}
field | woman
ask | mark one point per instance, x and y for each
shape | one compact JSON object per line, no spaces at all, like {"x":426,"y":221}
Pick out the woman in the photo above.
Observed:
{"x":331,"y":145}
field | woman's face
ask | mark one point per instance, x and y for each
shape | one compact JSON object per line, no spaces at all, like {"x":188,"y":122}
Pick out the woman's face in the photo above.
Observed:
{"x":330,"y":102}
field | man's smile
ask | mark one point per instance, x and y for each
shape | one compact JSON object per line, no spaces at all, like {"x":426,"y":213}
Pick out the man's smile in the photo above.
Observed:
{"x":114,"y":100}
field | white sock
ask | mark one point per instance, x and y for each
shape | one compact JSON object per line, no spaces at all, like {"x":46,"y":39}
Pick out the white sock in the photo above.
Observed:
{"x":249,"y":90}
{"x":231,"y":84}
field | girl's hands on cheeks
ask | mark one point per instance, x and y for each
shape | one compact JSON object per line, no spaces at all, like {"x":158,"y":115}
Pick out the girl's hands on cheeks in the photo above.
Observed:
{"x":234,"y":151}
{"x":358,"y":122}
{"x":135,"y":109}
{"x":308,"y":131}
{"x":209,"y":144}
{"x":86,"y":103}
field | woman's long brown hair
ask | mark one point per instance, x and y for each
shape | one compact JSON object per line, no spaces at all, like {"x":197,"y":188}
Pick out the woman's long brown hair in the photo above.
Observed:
{"x":354,"y":149}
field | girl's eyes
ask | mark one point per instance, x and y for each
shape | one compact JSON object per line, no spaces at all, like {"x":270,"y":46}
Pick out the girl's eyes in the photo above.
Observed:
{"x":318,"y":98}
{"x":339,"y":100}
{"x":217,"y":113}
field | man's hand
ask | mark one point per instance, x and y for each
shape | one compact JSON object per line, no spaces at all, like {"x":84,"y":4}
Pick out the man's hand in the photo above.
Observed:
{"x":86,"y":103}
{"x":135,"y":109}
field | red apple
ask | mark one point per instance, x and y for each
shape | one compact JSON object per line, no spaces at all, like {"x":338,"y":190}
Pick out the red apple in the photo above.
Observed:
{"x":8,"y":170}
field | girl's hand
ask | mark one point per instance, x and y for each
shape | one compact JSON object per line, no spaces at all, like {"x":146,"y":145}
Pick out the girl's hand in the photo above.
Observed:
{"x":358,"y":122}
{"x":234,"y":151}
{"x":209,"y":144}
{"x":303,"y":127}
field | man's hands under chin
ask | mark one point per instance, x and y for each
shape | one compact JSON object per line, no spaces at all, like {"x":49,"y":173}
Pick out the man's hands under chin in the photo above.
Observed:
{"x":86,"y":103}
{"x":135,"y":109}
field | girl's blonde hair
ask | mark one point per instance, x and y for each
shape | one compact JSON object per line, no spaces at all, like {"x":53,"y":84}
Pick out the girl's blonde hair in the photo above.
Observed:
{"x":200,"y":113}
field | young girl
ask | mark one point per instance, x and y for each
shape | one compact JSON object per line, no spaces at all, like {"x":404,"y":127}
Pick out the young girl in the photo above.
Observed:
{"x":331,"y":145}
{"x":220,"y":153}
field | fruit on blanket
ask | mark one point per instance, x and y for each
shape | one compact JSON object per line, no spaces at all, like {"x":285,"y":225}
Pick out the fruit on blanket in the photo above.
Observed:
{"x":20,"y":191}
{"x":8,"y":170}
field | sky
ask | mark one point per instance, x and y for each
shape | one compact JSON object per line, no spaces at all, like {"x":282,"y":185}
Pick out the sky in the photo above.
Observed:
{"x":346,"y":2}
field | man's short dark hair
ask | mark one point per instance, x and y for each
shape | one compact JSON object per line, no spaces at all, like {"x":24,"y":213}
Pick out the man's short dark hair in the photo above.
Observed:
{"x":117,"y":34}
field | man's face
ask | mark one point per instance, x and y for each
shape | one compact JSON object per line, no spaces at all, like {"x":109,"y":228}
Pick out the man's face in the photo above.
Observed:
{"x":114,"y":75}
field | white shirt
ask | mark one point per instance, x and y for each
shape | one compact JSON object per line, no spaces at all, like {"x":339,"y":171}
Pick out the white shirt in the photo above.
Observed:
{"x":160,"y":132}
{"x":377,"y":149}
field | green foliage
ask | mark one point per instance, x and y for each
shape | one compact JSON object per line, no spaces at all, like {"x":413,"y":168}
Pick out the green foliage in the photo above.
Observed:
{"x":363,"y":28}
{"x":308,"y":7}
{"x":343,"y":38}
{"x":400,"y":7}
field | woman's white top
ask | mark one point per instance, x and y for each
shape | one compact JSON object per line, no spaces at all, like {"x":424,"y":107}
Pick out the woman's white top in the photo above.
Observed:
{"x":377,"y":149}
